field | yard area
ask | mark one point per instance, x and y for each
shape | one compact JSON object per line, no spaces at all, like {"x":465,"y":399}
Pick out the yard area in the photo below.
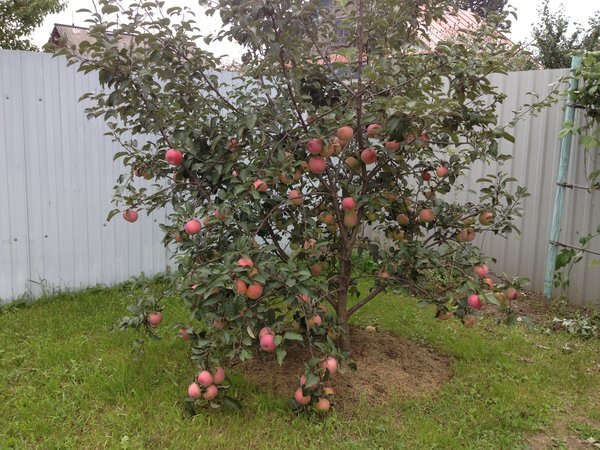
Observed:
{"x":69,"y":381}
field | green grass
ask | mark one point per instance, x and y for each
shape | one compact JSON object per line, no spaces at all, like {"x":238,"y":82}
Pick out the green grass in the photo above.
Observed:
{"x":68,"y":381}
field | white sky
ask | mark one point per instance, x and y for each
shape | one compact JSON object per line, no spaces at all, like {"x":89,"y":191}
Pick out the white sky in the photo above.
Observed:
{"x":578,"y":10}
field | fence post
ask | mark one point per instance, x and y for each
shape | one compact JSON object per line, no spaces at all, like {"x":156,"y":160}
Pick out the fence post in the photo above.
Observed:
{"x":563,"y":171}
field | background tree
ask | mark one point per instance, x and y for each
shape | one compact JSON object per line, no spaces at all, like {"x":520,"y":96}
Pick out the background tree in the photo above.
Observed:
{"x":19,"y":18}
{"x":553,"y":42}
{"x":272,"y":181}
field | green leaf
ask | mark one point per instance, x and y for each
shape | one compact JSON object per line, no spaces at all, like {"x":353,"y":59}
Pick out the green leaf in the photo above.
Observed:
{"x":280,"y":353}
{"x":231,"y":403}
{"x":293,"y":336}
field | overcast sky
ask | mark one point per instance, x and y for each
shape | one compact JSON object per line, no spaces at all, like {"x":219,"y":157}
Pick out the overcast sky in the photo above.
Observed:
{"x":578,"y":10}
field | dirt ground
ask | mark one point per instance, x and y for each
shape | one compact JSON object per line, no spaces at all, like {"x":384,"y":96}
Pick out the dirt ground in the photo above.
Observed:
{"x":406,"y":370}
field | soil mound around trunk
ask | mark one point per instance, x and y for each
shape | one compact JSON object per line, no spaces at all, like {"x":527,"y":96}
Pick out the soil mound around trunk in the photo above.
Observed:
{"x":389,"y":367}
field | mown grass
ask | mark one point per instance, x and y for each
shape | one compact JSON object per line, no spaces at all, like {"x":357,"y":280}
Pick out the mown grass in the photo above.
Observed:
{"x":68,"y":381}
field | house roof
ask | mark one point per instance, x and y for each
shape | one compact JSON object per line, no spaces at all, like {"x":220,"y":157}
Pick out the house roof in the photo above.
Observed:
{"x":72,"y":36}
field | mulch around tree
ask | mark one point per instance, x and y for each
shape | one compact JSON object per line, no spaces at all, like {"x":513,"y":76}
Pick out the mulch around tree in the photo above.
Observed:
{"x":389,"y":367}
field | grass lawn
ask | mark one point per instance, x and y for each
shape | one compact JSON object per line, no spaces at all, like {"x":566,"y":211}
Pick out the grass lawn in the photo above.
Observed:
{"x":67,"y":381}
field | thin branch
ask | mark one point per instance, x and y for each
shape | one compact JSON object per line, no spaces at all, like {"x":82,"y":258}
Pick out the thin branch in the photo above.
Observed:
{"x":374,"y":293}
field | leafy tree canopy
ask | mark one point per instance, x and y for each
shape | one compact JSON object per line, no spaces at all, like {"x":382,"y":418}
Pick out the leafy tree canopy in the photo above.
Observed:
{"x":482,"y":7}
{"x":19,"y":18}
{"x":553,"y":43}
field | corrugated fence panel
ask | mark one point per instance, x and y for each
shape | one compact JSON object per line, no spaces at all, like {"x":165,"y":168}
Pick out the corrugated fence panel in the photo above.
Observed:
{"x":56,"y":184}
{"x":57,"y":177}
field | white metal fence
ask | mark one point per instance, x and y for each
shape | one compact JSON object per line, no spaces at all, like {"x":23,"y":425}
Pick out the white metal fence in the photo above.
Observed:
{"x":57,"y":174}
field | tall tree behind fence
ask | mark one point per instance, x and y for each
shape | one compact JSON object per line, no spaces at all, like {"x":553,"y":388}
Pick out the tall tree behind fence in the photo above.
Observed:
{"x":57,"y":174}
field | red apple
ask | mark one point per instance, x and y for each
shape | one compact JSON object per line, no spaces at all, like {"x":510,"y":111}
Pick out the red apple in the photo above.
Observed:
{"x":326,"y":218}
{"x":204,"y":378}
{"x":300,"y":398}
{"x":323,"y":405}
{"x":240,"y":286}
{"x":481,"y":271}
{"x":350,"y":219}
{"x":374,"y":130}
{"x":489,"y":282}
{"x":254,"y":291}
{"x":426,"y":215}
{"x":295,"y":197}
{"x":352,"y":162}
{"x":474,"y":302}
{"x":232,"y":144}
{"x":130,"y":215}
{"x":402,"y":219}
{"x":219,"y":375}
{"x":245,"y":262}
{"x":193,"y":227}
{"x":314,"y":146}
{"x":174,"y":157}
{"x":317,"y":165}
{"x":426,"y":176}
{"x":330,"y":363}
{"x":486,"y":218}
{"x":267,"y":343}
{"x":393,"y":145}
{"x":260,"y":185}
{"x":264,"y":331}
{"x":512,"y":293}
{"x":345,"y":133}
{"x":469,"y":321}
{"x":316,"y":269}
{"x":348,"y":203}
{"x":211,"y":392}
{"x":194,"y":391}
{"x":441,"y":171}
{"x":155,"y":318}
{"x":368,"y":156}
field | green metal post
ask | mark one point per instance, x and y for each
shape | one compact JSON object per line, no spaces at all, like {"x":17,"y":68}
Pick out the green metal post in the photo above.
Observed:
{"x":563,"y":170}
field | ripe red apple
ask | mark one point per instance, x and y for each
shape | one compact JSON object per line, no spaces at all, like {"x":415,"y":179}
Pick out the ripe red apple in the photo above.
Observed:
{"x":350,"y":218}
{"x":441,"y":171}
{"x":264,"y":331}
{"x":219,"y":375}
{"x":240,"y":286}
{"x":368,"y":156}
{"x":211,"y":392}
{"x":315,"y":320}
{"x":474,"y":302}
{"x":330,"y":363}
{"x":466,"y":235}
{"x":245,"y":262}
{"x":194,"y":391}
{"x":486,"y":218}
{"x":352,"y":162}
{"x":254,"y":291}
{"x":183,"y":333}
{"x":316,"y":269}
{"x":314,"y":146}
{"x":260,"y":185}
{"x":204,"y":378}
{"x":193,"y":227}
{"x":232,"y":144}
{"x":267,"y":343}
{"x":374,"y":130}
{"x":345,"y":133}
{"x":130,"y":215}
{"x":155,"y":318}
{"x":393,"y":145}
{"x":295,"y":197}
{"x":323,"y":405}
{"x":327,"y":151}
{"x":481,"y":271}
{"x":426,"y":215}
{"x":402,"y":219}
{"x":174,"y":157}
{"x":300,"y":398}
{"x":326,"y":218}
{"x":317,"y":165}
{"x":348,"y":203}
{"x":489,"y":282}
{"x":512,"y":293}
{"x":426,"y":176}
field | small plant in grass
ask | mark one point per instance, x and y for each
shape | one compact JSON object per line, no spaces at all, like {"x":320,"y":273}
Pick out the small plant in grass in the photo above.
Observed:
{"x":271,"y":181}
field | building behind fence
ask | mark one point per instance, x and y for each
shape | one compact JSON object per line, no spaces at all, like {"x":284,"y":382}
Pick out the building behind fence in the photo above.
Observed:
{"x":57,"y":175}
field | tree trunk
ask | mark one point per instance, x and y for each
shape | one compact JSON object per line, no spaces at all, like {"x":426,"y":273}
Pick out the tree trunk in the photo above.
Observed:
{"x":342,"y":302}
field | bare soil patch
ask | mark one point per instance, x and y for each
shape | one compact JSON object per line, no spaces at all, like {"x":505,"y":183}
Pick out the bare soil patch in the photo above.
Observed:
{"x":389,"y":367}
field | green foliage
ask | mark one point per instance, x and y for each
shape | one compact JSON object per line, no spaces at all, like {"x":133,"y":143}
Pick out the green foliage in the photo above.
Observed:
{"x":482,"y":7}
{"x":437,"y":117}
{"x":19,"y":18}
{"x":553,"y":43}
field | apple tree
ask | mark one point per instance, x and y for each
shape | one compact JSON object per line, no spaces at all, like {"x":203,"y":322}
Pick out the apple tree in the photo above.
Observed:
{"x":347,"y":132}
